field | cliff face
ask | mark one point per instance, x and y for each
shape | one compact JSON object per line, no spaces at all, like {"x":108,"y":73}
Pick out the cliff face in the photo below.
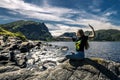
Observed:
{"x":32,"y":30}
{"x":89,"y":69}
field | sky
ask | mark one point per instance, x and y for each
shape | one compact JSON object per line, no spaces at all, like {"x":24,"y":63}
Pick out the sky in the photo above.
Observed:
{"x":62,"y":16}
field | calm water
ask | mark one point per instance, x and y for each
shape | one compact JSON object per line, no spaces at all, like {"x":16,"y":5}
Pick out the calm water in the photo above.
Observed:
{"x":106,"y":50}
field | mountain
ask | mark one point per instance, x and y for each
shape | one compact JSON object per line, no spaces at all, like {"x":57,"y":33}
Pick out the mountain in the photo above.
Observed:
{"x":107,"y":35}
{"x":68,"y":34}
{"x":65,"y":36}
{"x":32,"y":30}
{"x":101,"y":35}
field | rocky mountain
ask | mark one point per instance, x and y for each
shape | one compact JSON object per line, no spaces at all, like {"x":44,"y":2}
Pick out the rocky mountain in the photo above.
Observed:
{"x":32,"y":30}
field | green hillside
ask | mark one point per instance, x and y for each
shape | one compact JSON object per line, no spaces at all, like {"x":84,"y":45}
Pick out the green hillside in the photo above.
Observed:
{"x":8,"y":33}
{"x":31,"y":29}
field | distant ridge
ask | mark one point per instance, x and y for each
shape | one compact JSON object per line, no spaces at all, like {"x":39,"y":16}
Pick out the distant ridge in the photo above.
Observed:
{"x":101,"y":35}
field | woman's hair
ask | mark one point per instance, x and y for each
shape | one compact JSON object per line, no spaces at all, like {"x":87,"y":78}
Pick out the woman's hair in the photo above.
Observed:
{"x":81,"y":32}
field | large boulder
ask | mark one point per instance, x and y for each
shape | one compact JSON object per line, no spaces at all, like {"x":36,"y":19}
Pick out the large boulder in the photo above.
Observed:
{"x":26,"y":46}
{"x":88,"y":69}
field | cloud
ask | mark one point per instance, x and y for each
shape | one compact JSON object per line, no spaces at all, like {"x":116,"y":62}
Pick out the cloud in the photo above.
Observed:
{"x":45,"y":12}
{"x":61,"y":28}
{"x":110,"y":13}
{"x":63,"y":19}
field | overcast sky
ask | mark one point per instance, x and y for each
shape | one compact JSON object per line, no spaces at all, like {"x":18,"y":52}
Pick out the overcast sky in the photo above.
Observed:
{"x":63,"y":15}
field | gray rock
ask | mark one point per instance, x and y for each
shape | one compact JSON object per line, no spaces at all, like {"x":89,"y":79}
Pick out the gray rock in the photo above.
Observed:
{"x":89,"y":69}
{"x":12,"y":56}
{"x":14,"y":47}
{"x":8,"y":68}
{"x":26,"y":46}
{"x":4,"y":56}
{"x":21,"y":61}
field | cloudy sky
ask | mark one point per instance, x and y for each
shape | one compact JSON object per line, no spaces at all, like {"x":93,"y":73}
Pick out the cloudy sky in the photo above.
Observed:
{"x":63,"y":15}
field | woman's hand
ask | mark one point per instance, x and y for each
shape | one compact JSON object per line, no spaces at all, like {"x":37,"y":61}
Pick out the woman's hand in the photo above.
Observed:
{"x":90,"y":26}
{"x":93,"y":32}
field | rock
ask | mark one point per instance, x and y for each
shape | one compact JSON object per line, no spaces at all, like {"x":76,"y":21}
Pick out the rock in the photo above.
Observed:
{"x":1,"y":48}
{"x":5,"y":50}
{"x":21,"y":74}
{"x":26,"y":46}
{"x":38,"y":44}
{"x":43,"y":54}
{"x":24,"y":49}
{"x":45,"y":49}
{"x":18,"y":58}
{"x":21,"y":61}
{"x":89,"y":69}
{"x":64,"y":48}
{"x":14,"y":47}
{"x":19,"y":41}
{"x":49,"y":64}
{"x":8,"y":68}
{"x":61,"y":60}
{"x":3,"y":57}
{"x":12,"y":56}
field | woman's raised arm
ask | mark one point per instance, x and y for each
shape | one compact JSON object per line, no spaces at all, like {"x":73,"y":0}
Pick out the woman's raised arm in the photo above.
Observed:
{"x":93,"y":32}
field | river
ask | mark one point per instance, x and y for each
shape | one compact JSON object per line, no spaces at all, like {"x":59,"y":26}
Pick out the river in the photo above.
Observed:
{"x":106,"y":50}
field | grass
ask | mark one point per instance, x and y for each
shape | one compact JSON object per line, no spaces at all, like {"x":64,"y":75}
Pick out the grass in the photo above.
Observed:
{"x":8,"y":33}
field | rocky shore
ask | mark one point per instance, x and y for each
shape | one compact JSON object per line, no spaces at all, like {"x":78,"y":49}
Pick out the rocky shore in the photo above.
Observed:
{"x":37,"y":60}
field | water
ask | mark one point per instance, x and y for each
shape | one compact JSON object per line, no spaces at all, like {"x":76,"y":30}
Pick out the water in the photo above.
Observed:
{"x":106,"y":50}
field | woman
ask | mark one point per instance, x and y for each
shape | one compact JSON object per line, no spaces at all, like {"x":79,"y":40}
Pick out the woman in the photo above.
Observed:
{"x":81,"y":43}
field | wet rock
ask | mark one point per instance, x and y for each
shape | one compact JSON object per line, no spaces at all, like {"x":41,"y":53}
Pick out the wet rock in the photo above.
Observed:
{"x":5,"y":50}
{"x":24,"y":49}
{"x":43,"y":54}
{"x":50,"y":44}
{"x":26,"y":46}
{"x":19,"y":41}
{"x":45,"y":49}
{"x":38,"y":44}
{"x":12,"y":56}
{"x":21,"y":61}
{"x":64,"y":48}
{"x":2,"y":57}
{"x":14,"y":47}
